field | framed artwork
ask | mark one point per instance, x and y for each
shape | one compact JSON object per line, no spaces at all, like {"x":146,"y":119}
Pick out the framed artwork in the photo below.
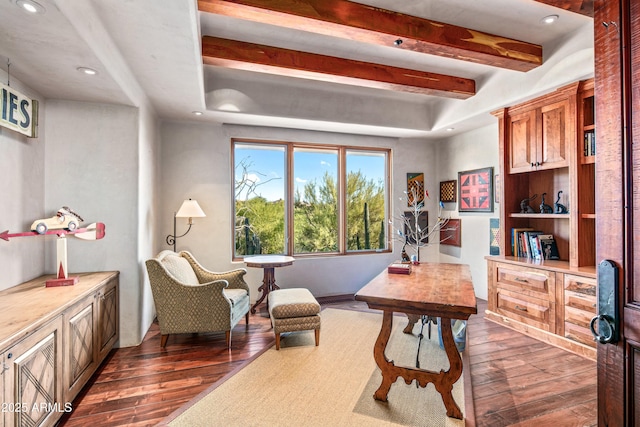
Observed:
{"x":475,"y":190}
{"x":494,"y":236}
{"x":415,"y":186}
{"x":448,"y":191}
{"x":410,"y":225}
{"x":451,"y":233}
{"x":498,"y":188}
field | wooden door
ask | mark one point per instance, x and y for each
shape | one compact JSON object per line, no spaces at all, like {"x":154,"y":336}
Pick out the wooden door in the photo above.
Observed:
{"x":33,"y":378}
{"x":617,"y":81}
{"x":522,"y":140}
{"x":555,"y":134}
{"x":107,"y":323}
{"x":80,"y":342}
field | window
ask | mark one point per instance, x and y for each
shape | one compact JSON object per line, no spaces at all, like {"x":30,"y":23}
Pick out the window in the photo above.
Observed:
{"x":366,"y":200}
{"x":260,"y":209}
{"x":315,"y":204}
{"x":299,"y":199}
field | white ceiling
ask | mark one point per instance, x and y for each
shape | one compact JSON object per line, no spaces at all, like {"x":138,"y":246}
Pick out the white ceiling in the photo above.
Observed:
{"x":148,"y":51}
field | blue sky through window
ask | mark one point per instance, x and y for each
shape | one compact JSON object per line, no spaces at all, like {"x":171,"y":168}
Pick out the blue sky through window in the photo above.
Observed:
{"x":266,"y":167}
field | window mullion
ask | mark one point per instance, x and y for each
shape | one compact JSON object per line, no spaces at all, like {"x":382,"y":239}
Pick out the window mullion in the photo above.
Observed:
{"x":290,"y":239}
{"x":342,"y":203}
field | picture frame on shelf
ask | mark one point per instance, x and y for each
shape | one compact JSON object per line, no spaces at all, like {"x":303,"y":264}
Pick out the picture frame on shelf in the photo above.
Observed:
{"x":475,"y":190}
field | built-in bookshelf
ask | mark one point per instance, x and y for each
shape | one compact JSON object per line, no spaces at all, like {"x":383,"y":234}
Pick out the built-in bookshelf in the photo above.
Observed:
{"x":547,"y":146}
{"x":585,"y":179}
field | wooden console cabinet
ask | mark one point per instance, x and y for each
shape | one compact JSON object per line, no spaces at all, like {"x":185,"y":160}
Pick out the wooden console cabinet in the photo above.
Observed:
{"x":543,"y":149}
{"x":51,"y":341}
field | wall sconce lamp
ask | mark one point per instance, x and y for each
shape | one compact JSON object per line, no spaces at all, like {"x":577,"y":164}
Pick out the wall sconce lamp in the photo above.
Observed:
{"x":189,"y":209}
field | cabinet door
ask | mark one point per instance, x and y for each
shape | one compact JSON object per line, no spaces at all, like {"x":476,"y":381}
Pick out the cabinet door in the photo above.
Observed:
{"x":108,"y":318}
{"x":80,"y":343}
{"x":33,"y":380}
{"x":522,"y":140}
{"x":554,"y":135}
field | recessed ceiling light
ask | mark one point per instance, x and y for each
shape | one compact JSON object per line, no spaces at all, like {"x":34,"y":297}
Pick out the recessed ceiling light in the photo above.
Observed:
{"x":549,"y":19}
{"x":196,"y":113}
{"x":87,"y":70}
{"x":450,"y":129}
{"x":30,"y":6}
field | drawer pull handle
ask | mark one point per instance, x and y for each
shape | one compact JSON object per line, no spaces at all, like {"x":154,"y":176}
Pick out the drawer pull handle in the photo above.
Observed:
{"x":518,"y":279}
{"x":517,"y":307}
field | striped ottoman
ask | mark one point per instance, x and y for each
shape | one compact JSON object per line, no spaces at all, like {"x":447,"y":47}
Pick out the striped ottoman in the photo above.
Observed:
{"x":292,"y":310}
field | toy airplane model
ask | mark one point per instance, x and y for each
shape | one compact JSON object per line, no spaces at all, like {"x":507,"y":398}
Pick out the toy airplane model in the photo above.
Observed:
{"x":63,"y":223}
{"x":93,"y":231}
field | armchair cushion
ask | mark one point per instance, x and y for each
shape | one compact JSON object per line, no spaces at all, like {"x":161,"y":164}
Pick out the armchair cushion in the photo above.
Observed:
{"x":180,"y":269}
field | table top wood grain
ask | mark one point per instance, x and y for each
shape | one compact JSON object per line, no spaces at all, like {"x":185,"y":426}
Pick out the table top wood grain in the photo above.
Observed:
{"x":436,"y":289}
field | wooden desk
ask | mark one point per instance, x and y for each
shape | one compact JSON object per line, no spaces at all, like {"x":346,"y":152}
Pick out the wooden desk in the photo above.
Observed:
{"x":268,"y":263}
{"x":432,"y":289}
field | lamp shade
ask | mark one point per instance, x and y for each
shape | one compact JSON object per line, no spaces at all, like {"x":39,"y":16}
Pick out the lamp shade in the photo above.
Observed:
{"x":190,"y":209}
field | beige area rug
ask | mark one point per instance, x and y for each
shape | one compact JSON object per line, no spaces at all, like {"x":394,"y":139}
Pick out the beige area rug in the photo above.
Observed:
{"x":329,"y":385}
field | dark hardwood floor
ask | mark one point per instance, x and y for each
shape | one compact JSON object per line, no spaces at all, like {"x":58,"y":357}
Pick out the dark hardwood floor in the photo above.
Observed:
{"x":517,"y":380}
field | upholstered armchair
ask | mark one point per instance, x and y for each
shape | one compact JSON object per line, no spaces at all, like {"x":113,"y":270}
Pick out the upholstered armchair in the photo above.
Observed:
{"x":192,"y":299}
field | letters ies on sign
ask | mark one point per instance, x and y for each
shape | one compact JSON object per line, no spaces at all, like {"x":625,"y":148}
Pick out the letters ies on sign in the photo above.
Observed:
{"x":17,"y":112}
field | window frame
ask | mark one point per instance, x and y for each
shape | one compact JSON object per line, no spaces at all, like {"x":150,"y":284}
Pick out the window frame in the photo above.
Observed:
{"x":290,"y":195}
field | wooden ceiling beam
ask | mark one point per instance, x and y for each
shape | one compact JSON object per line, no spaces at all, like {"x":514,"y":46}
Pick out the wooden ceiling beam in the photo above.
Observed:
{"x":346,"y":19}
{"x":267,"y":59}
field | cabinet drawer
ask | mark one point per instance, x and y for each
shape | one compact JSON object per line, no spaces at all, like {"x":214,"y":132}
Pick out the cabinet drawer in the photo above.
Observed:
{"x":581,"y":285}
{"x":579,"y":333}
{"x":530,"y":310}
{"x":577,"y":316}
{"x":532,"y":279}
{"x":578,"y":301}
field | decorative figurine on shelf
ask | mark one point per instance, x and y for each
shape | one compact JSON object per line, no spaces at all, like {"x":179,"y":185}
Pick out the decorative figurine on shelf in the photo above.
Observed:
{"x":559,"y":207}
{"x":65,"y":219}
{"x":545,"y":208}
{"x":524,"y":204}
{"x":405,"y":256}
{"x":64,"y":222}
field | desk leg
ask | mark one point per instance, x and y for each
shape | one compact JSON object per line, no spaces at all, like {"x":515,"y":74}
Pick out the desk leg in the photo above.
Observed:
{"x":443,"y":381}
{"x":268,"y":285}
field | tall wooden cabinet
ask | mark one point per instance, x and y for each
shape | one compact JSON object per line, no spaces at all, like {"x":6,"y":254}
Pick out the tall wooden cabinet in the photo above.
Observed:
{"x":544,"y":150}
{"x":52,"y":340}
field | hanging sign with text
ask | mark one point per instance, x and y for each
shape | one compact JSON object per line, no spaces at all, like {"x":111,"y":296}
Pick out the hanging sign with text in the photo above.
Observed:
{"x":18,"y":112}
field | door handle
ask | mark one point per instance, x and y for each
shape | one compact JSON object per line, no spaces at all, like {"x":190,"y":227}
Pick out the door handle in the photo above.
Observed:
{"x":607,"y":319}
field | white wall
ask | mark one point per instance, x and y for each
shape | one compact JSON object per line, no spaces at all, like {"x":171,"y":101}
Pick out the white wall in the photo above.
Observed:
{"x":472,"y":150}
{"x":92,"y":161}
{"x":148,"y":214}
{"x":196,"y":164}
{"x":21,"y":198}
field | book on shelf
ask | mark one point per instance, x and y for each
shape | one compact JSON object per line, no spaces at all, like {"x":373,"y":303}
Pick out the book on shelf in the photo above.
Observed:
{"x":534,"y":250}
{"x":517,"y":241}
{"x":525,"y":243}
{"x":589,"y":143}
{"x":399,"y":268}
{"x":548,"y":246}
